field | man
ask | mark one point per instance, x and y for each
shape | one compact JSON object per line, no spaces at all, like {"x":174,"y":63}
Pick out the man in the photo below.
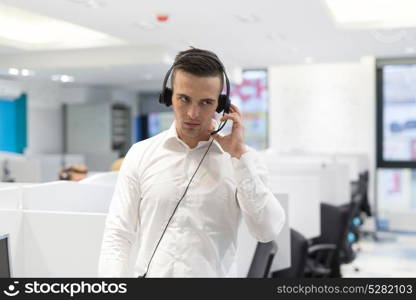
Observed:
{"x":183,"y":200}
{"x":74,"y":173}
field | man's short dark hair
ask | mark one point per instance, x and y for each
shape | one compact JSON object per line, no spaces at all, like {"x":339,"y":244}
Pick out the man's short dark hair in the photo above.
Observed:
{"x":198,"y":62}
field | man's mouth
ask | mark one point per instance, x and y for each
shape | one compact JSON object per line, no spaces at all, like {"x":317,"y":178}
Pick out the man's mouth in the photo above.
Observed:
{"x":191,"y":124}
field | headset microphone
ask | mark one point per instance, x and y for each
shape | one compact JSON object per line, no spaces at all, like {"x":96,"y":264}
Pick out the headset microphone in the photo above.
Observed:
{"x":220,"y":128}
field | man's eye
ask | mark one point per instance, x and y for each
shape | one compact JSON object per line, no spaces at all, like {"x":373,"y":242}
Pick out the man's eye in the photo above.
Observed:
{"x":183,"y":98}
{"x":206,"y":102}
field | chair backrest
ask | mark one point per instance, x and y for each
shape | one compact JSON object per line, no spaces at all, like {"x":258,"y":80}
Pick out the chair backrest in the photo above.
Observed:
{"x":334,"y":222}
{"x":262,"y":260}
{"x":334,"y":225}
{"x":298,"y":255}
{"x":363,"y":189}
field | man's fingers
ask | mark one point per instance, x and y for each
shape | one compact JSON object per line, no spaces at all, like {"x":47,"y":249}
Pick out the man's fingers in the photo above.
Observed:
{"x":213,"y":126}
{"x":231,"y":116}
{"x":234,"y":108}
{"x":217,"y":137}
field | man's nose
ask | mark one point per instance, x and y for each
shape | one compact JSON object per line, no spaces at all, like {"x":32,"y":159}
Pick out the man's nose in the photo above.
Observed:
{"x":193,"y":111}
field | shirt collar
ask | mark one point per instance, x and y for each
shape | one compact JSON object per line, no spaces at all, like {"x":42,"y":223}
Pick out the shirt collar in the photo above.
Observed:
{"x":172,"y":139}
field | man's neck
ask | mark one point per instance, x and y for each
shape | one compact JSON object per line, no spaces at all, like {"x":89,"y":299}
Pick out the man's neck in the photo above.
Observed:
{"x":192,"y":142}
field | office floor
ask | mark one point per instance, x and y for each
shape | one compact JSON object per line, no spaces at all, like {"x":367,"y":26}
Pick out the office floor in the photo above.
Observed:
{"x":392,"y":255}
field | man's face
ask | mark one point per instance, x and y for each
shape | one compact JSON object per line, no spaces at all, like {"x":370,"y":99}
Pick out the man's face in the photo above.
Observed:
{"x":194,"y":102}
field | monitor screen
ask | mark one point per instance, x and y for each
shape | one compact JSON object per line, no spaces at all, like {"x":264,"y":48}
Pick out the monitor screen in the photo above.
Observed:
{"x":4,"y":257}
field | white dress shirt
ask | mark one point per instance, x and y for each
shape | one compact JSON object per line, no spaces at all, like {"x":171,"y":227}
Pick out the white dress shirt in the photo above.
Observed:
{"x":201,"y":239}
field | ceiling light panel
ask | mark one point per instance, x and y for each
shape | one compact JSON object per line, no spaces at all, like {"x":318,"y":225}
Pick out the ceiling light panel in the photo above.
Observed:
{"x":371,"y":14}
{"x":26,"y":30}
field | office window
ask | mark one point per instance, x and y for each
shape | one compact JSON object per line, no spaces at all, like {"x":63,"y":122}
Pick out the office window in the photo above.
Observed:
{"x":399,"y":113}
{"x":396,"y":145}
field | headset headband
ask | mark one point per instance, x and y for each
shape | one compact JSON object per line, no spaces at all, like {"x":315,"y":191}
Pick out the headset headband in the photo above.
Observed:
{"x":210,"y":56}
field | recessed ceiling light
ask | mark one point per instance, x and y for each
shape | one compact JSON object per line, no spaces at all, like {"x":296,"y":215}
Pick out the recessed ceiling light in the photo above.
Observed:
{"x":26,"y":72}
{"x":67,"y":78}
{"x":63,"y":78}
{"x":13,"y":71}
{"x":364,"y":14}
{"x":26,"y":30}
{"x":90,"y":3}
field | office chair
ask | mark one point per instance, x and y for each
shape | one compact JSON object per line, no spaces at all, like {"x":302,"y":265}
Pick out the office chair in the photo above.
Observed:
{"x":323,"y":257}
{"x":359,"y":209}
{"x":298,"y":254}
{"x":299,"y":257}
{"x":347,"y":254}
{"x":262,"y":260}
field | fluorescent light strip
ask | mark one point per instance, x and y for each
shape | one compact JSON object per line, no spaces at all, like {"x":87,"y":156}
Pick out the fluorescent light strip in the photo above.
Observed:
{"x":26,"y":30}
{"x":372,"y":14}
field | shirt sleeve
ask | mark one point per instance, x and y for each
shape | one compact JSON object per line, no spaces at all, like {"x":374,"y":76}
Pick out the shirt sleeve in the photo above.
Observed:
{"x":122,"y":219}
{"x":261,"y":210}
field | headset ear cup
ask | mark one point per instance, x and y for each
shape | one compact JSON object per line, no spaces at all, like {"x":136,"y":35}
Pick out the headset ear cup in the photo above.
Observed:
{"x":161,"y":99}
{"x":167,"y":97}
{"x":223,"y":104}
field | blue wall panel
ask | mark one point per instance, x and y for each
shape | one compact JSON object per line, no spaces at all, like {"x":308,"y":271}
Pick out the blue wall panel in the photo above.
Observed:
{"x":13,"y":124}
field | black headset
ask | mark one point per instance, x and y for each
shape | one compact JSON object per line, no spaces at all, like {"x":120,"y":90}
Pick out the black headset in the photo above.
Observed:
{"x":224,"y":101}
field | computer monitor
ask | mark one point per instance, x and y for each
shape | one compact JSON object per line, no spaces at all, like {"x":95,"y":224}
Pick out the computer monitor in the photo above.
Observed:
{"x":4,"y":257}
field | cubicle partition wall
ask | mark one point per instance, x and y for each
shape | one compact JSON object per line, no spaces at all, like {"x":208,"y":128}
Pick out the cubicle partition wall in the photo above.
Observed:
{"x":11,"y":223}
{"x":303,"y":202}
{"x":61,"y":244}
{"x":50,"y":164}
{"x":21,"y":169}
{"x":36,"y":168}
{"x":56,"y":229}
{"x":67,"y":196}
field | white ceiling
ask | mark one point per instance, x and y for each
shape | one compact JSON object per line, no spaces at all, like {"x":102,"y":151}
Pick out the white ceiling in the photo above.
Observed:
{"x":282,"y":32}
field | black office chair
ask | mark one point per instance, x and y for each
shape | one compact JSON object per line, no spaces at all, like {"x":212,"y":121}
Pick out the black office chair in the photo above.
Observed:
{"x":359,"y":210}
{"x":324,"y":258}
{"x":298,"y":254}
{"x":262,"y":260}
{"x":301,"y":254}
{"x":347,"y":253}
